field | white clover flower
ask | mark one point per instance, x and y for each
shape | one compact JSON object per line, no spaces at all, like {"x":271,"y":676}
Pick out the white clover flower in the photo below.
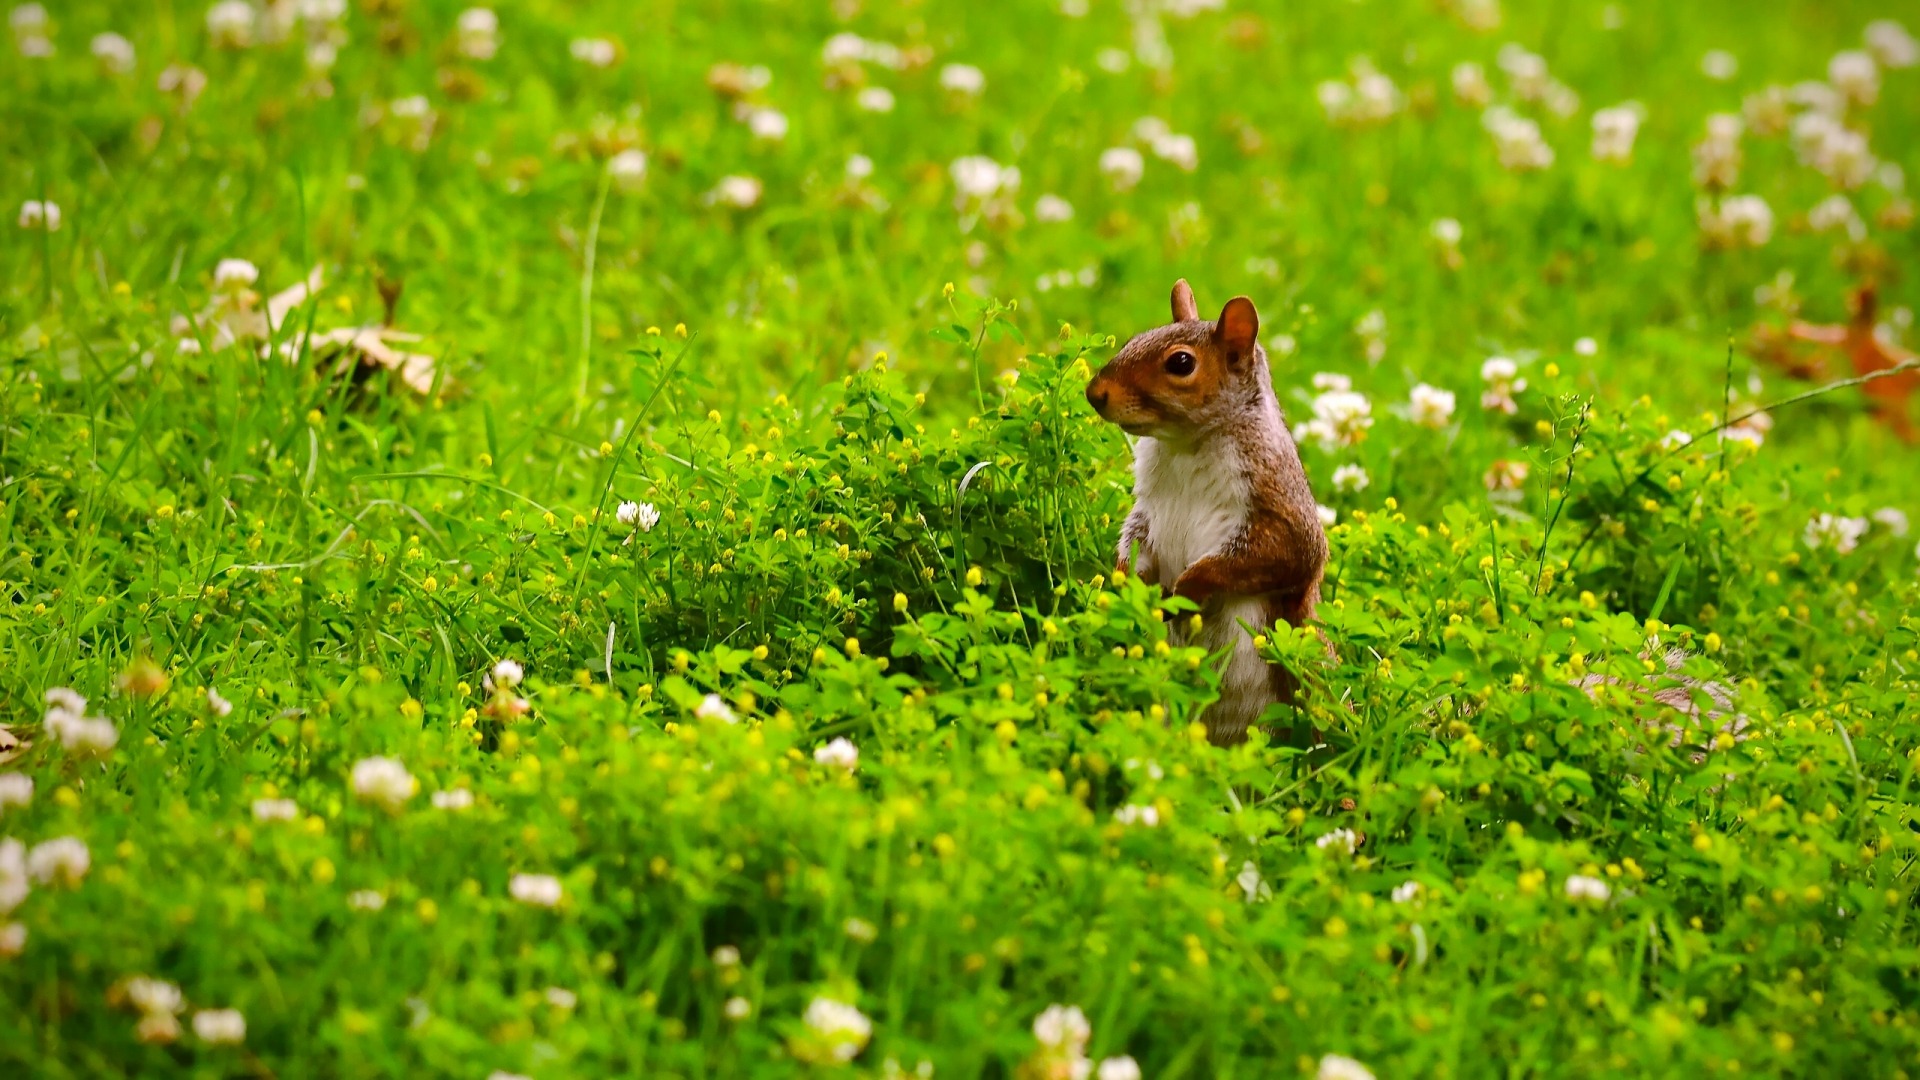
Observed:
{"x":1331,"y":380}
{"x":843,"y":48}
{"x":739,"y":192}
{"x":453,"y":799}
{"x":1506,"y":476}
{"x":1842,"y":534}
{"x":502,"y":1074}
{"x":16,"y":789}
{"x":843,"y":1029}
{"x":860,"y":930}
{"x":1052,"y":208}
{"x":1179,"y":150}
{"x":230,"y":24}
{"x":767,"y":125}
{"x":561,"y":998}
{"x":1719,"y":65}
{"x":234,"y":275}
{"x":874,"y":99}
{"x":1470,"y":85}
{"x":275,"y":810}
{"x":1675,"y":439}
{"x":1527,"y":70}
{"x":1340,"y":418}
{"x":62,"y":861}
{"x":478,"y":34}
{"x":1582,"y":887}
{"x":1891,"y":45}
{"x":182,"y":81}
{"x":726,"y":956}
{"x":1336,"y":1067}
{"x":154,"y":997}
{"x":1144,"y":815}
{"x":1327,"y":514}
{"x":963,"y":79}
{"x":1737,"y":221}
{"x":220,"y":1027}
{"x":1893,"y":519}
{"x":383,"y":782}
{"x":1350,"y":479}
{"x":536,"y":890}
{"x":37,"y":215}
{"x":1614,"y":130}
{"x":28,"y":19}
{"x":1835,"y":213}
{"x":712,"y":707}
{"x":1585,"y":346}
{"x":642,"y":516}
{"x":1339,"y":840}
{"x":977,"y":178}
{"x":737,"y":1009}
{"x":1517,"y":139}
{"x":366,"y":900}
{"x":114,"y":52}
{"x":840,"y":754}
{"x":505,"y":674}
{"x":217,"y":704}
{"x":1446,"y":232}
{"x":13,"y":875}
{"x":628,"y":170}
{"x":1118,"y":1068}
{"x":1430,"y":406}
{"x":1855,"y":75}
{"x":594,"y":52}
{"x":66,"y":720}
{"x":1407,"y":892}
{"x":859,"y":167}
{"x":1063,"y":1028}
{"x":1122,"y":166}
{"x":13,"y":938}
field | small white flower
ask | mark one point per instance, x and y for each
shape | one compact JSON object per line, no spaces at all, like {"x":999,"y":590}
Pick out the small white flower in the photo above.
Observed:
{"x":1506,"y":477}
{"x":28,"y":19}
{"x":1517,"y":139}
{"x":478,"y":33}
{"x":383,"y":782}
{"x":561,"y":998}
{"x":1249,"y":881}
{"x":1339,"y":840}
{"x":63,"y":861}
{"x":1052,"y":208}
{"x":1891,"y":45}
{"x":738,"y":1009}
{"x":1340,"y":418}
{"x":114,"y":52}
{"x":1132,"y":814}
{"x":859,"y":167}
{"x":874,"y":99}
{"x":628,"y":170}
{"x":1430,"y":406}
{"x":1835,"y":213}
{"x":1586,"y":346}
{"x":220,"y":1027}
{"x":230,"y":24}
{"x":1470,"y":85}
{"x":453,"y":799}
{"x":13,"y":938}
{"x":1179,"y":150}
{"x":154,"y":997}
{"x":218,"y":705}
{"x":40,"y":216}
{"x":506,"y":673}
{"x":1582,"y":887}
{"x":594,"y":52}
{"x":845,"y":1029}
{"x":275,"y":810}
{"x":13,"y":875}
{"x":16,"y":789}
{"x":66,"y":720}
{"x":1855,"y":75}
{"x":1842,"y":534}
{"x":1719,"y":65}
{"x":366,"y":900}
{"x":1336,"y":1067}
{"x":739,"y":192}
{"x":1407,"y":892}
{"x":860,"y":930}
{"x":182,"y":81}
{"x":1330,"y":380}
{"x":726,"y":956}
{"x":1122,"y":166}
{"x":1614,"y":130}
{"x":1063,"y":1028}
{"x":537,"y":890}
{"x":712,"y":707}
{"x":977,"y":178}
{"x":642,"y":516}
{"x":1118,"y":1068}
{"x":234,"y":275}
{"x":767,"y":125}
{"x":1349,"y":479}
{"x":963,"y":79}
{"x":840,"y":753}
{"x":1327,"y":514}
{"x":1446,"y":232}
{"x":1675,"y":439}
{"x":1893,"y":519}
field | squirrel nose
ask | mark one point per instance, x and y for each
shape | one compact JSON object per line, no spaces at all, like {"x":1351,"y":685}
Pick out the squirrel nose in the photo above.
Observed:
{"x":1097,"y":397}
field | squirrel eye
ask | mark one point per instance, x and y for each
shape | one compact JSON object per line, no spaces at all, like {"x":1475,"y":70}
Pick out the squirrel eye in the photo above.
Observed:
{"x":1181,"y":363}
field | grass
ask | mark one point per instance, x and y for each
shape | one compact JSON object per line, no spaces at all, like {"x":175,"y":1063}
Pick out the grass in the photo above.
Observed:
{"x":885,"y":515}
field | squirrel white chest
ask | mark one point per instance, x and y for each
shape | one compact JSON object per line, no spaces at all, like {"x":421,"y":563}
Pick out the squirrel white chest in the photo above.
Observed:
{"x":1194,"y":502}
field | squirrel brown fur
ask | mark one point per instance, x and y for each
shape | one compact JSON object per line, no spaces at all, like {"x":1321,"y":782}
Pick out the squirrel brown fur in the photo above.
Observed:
{"x":1222,"y":513}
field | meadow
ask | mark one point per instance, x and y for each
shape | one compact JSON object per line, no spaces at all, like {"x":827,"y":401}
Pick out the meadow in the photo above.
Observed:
{"x":566,"y":540}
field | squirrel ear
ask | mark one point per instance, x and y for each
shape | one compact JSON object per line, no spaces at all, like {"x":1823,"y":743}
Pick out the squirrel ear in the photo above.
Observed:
{"x":1239,"y":326}
{"x":1184,"y":307}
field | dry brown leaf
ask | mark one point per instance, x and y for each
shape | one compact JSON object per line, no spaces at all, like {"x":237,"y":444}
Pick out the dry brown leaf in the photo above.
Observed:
{"x":11,"y":745}
{"x":1864,"y":350}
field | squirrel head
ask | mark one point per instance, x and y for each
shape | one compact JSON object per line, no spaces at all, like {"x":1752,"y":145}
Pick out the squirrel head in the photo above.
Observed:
{"x":1188,"y":376}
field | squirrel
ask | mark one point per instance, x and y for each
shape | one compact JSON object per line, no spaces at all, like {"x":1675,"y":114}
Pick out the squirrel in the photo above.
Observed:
{"x":1222,"y":512}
